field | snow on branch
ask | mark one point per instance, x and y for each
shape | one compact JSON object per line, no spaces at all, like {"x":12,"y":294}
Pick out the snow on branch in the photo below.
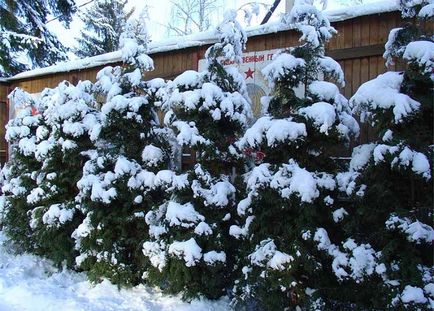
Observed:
{"x":312,"y":23}
{"x":232,"y":38}
{"x":134,"y":41}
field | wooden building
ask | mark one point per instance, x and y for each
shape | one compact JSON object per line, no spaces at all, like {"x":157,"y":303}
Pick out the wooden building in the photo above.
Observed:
{"x":358,"y":47}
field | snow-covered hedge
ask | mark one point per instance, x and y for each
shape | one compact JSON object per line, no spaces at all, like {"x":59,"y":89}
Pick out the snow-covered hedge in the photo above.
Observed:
{"x":266,"y":214}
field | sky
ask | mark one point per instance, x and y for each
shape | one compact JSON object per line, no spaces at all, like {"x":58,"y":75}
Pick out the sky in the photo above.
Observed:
{"x":159,"y":15}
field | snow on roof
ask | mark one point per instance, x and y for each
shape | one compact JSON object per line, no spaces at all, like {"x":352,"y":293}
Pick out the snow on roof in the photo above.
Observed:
{"x":203,"y":38}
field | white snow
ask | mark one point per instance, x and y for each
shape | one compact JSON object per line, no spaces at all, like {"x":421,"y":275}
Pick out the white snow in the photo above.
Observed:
{"x":388,"y":136}
{"x":383,"y":93}
{"x":389,"y":51}
{"x":310,"y":21}
{"x":267,"y":255}
{"x":213,"y":257}
{"x":282,"y":65}
{"x":356,"y":262}
{"x":28,"y":282}
{"x":326,"y":91}
{"x":188,"y":250}
{"x":156,"y":254}
{"x":323,"y":115}
{"x":291,"y":179}
{"x":219,"y":194}
{"x":152,"y":155}
{"x":415,"y":231}
{"x":361,"y":156}
{"x":332,"y":69}
{"x":232,"y":36}
{"x":57,"y":215}
{"x":421,"y":52}
{"x":237,"y":231}
{"x":421,"y":165}
{"x":339,"y":214}
{"x":272,"y":131}
{"x":413,"y":294}
{"x":183,"y":215}
{"x":427,"y":11}
{"x":203,"y":229}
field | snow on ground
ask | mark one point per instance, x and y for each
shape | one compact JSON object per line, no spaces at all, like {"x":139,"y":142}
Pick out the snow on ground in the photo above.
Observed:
{"x":30,"y":283}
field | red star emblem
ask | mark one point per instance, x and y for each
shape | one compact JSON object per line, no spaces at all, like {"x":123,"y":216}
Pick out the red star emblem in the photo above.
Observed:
{"x":249,"y":73}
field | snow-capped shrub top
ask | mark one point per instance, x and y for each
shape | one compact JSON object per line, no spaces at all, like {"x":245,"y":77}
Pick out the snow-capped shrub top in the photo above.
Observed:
{"x":133,"y":43}
{"x":392,"y":48}
{"x":355,"y":262}
{"x":331,"y":69}
{"x":21,"y":98}
{"x":69,"y":110}
{"x":427,"y":11}
{"x":283,"y":65}
{"x":267,"y":255}
{"x":323,"y":115}
{"x":20,"y":127}
{"x":152,"y":155}
{"x":270,"y":132}
{"x":421,"y":53}
{"x":188,"y":250}
{"x":383,"y":93}
{"x":311,"y":22}
{"x":232,"y":37}
{"x":210,"y":98}
{"x":415,"y":231}
{"x":289,"y":179}
{"x":187,"y":80}
{"x":108,"y":81}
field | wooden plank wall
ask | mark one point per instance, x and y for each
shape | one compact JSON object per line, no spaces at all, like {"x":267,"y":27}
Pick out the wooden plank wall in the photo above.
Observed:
{"x":3,"y":92}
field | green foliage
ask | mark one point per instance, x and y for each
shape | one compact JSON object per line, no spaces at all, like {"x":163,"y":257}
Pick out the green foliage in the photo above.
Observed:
{"x":103,"y":22}
{"x":24,"y":32}
{"x":117,"y":188}
{"x":280,"y":265}
{"x":398,"y":196}
{"x":20,"y":175}
{"x":190,"y":247}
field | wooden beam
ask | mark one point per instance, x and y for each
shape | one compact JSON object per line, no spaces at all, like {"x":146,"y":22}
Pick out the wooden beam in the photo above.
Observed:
{"x":357,"y":52}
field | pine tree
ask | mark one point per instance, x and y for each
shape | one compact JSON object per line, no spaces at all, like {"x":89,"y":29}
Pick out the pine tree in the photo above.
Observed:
{"x":190,"y":249}
{"x":22,"y":172}
{"x":291,"y":200}
{"x":390,"y":180}
{"x":128,"y":171}
{"x":25,"y":41}
{"x":103,"y":24}
{"x":64,"y":139}
{"x":49,"y":139}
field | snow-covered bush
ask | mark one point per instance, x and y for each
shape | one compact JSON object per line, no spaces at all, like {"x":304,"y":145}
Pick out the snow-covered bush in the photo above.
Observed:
{"x":70,"y":123}
{"x":191,"y":250}
{"x":127,"y":173}
{"x":51,"y":136}
{"x":291,"y":191}
{"x":390,"y":180}
{"x":22,"y":172}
